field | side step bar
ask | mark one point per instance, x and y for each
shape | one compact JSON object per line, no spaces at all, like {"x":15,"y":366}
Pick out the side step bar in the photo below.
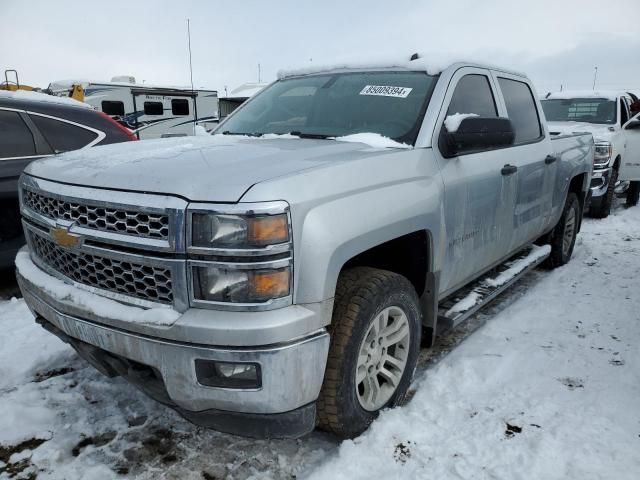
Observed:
{"x":460,"y":306}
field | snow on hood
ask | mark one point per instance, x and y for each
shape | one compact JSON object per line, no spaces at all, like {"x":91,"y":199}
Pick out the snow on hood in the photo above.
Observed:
{"x":374,"y":140}
{"x":601,"y":133}
{"x":570,"y":94}
{"x":213,"y":168}
{"x":42,"y":97}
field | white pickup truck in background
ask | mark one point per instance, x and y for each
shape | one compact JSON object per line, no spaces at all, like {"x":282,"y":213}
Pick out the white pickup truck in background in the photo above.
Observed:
{"x":608,"y":117}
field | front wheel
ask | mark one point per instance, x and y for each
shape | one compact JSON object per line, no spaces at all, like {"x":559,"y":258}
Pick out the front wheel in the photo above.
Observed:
{"x":602,"y":209}
{"x":375,"y":341}
{"x":633,"y":194}
{"x":563,"y":236}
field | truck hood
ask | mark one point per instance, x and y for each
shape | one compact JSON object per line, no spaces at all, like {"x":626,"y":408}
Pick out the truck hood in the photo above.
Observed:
{"x":214,"y":169}
{"x":601,"y":133}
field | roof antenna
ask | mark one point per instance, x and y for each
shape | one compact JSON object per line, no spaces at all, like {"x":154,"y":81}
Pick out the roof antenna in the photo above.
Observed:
{"x":415,"y":56}
{"x":595,"y":76}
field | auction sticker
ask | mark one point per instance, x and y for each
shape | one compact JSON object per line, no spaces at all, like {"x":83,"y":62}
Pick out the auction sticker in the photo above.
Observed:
{"x":386,"y":91}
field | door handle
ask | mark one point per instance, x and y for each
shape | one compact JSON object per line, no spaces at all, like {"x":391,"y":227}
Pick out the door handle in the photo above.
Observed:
{"x":509,"y":169}
{"x":550,"y":159}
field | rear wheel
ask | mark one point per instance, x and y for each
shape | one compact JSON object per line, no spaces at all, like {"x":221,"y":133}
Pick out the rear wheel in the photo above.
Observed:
{"x":633,"y":194}
{"x":375,"y":341}
{"x":602,"y":209}
{"x":563,"y":236}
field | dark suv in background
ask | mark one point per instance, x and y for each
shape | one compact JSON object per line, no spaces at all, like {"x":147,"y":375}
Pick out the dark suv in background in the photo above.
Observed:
{"x":33,"y":126}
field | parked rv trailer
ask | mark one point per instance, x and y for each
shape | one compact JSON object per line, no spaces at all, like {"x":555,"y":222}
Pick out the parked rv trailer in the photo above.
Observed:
{"x":150,"y":112}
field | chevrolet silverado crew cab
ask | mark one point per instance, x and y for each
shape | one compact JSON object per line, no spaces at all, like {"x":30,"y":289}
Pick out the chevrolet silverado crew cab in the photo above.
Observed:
{"x":282,"y":273}
{"x":608,"y":116}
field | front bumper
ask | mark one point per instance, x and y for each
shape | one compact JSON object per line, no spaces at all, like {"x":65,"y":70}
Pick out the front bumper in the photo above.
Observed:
{"x":291,"y":372}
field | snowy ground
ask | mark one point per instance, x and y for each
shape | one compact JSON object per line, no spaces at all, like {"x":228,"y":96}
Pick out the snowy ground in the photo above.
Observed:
{"x":546,"y":385}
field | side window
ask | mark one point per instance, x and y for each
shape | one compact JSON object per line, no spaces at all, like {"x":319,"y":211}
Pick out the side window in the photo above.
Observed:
{"x":624,"y":113}
{"x":180,"y":106}
{"x":16,"y":139}
{"x":473,"y":95}
{"x":113,"y":108}
{"x":63,"y":136}
{"x":521,"y":109}
{"x":153,"y":108}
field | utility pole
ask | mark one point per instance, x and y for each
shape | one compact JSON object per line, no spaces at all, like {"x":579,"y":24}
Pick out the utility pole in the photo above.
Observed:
{"x":193,"y":97}
{"x":259,"y":74}
{"x":595,"y":76}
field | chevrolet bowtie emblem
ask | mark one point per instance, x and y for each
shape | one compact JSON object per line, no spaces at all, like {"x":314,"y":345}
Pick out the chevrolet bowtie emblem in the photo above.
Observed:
{"x":63,"y":238}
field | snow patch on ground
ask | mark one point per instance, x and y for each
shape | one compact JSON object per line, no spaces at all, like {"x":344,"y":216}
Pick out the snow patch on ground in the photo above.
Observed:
{"x":374,"y":140}
{"x":452,"y":122}
{"x":42,"y":97}
{"x":96,"y":304}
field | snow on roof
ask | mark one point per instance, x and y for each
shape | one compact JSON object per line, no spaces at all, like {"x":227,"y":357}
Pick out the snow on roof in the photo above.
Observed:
{"x":59,"y":85}
{"x":247,"y":90}
{"x":42,"y":97}
{"x":433,"y":63}
{"x":569,"y":94}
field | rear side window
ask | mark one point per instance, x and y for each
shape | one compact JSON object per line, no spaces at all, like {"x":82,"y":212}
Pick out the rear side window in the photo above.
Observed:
{"x":153,"y":108}
{"x":113,"y":108}
{"x":521,"y":109}
{"x":180,"y":106}
{"x":473,"y":95}
{"x":16,"y":139}
{"x":63,"y":136}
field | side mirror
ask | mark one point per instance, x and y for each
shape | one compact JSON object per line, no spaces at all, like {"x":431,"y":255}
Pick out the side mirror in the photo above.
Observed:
{"x":476,"y":134}
{"x":632,"y":125}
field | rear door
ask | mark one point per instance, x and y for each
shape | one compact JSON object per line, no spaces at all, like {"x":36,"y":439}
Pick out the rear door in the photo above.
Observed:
{"x":630,"y":168}
{"x":479,"y":192}
{"x":531,"y":154}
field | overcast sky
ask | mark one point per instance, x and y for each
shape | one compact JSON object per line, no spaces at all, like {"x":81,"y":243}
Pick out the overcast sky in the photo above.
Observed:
{"x":555,"y":42}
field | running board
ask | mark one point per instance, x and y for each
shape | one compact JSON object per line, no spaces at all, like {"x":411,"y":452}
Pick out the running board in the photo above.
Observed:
{"x":465,"y":302}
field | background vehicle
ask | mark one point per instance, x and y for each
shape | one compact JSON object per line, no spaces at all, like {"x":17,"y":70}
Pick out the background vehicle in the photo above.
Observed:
{"x":34,"y":125}
{"x":149,"y":111}
{"x":607,"y":116}
{"x":269,"y":282}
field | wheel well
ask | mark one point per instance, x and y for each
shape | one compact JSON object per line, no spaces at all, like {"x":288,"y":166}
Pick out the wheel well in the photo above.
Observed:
{"x":616,"y":163}
{"x":407,"y":255}
{"x":579,"y":187}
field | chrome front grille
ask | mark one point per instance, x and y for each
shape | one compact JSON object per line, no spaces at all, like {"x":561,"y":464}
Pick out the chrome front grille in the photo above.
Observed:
{"x":116,"y":220}
{"x":145,"y":282}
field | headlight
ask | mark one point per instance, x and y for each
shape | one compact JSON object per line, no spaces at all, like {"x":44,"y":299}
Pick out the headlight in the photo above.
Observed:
{"x":214,"y":230}
{"x":603,"y":153}
{"x":240,"y":257}
{"x":229,"y":284}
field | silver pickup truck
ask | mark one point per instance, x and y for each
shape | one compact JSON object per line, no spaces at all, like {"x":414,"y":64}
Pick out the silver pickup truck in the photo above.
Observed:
{"x":283,"y":273}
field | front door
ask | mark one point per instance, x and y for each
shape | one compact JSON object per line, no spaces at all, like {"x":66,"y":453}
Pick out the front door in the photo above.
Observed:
{"x":630,"y":168}
{"x":479,"y":188}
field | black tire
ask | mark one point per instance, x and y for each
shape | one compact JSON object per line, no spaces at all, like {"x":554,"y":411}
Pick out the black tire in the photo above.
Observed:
{"x":633,"y":194}
{"x":561,"y":251}
{"x":602,"y":209}
{"x":361,"y":294}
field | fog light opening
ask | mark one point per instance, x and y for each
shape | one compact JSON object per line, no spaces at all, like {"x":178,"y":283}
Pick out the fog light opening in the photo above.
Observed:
{"x":212,"y":373}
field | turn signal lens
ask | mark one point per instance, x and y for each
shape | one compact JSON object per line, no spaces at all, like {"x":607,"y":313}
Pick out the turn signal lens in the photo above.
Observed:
{"x":269,"y":284}
{"x":268,"y":230}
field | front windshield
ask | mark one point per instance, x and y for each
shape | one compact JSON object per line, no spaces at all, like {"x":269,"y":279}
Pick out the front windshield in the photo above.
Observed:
{"x":391,"y":104}
{"x":589,"y":110}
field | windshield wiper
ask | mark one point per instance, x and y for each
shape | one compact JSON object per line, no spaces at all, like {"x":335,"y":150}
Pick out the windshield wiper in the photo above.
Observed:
{"x":254,"y":134}
{"x":318,"y":136}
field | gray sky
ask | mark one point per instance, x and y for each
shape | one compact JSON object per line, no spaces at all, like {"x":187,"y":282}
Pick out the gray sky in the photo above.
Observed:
{"x":555,"y":42}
